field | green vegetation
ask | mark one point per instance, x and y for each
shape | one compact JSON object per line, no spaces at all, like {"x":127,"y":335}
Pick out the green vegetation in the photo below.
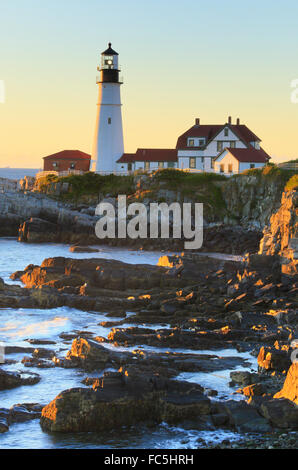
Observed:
{"x":177,"y":177}
{"x":292,"y":183}
{"x":92,"y":184}
{"x":271,"y":172}
{"x":197,"y":187}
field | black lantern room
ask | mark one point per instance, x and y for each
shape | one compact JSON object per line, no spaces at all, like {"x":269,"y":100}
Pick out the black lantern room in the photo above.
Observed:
{"x":109,"y":71}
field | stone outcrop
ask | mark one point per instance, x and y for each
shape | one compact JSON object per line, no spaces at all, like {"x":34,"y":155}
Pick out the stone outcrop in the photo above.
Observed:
{"x":281,"y":236}
{"x":290,"y":388}
{"x":42,"y":219}
{"x":124,"y":399}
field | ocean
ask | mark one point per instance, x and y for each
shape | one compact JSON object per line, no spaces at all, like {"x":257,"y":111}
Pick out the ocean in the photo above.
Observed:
{"x":18,"y":173}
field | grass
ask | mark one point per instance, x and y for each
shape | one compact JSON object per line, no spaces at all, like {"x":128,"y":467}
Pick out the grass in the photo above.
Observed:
{"x":91,"y":183}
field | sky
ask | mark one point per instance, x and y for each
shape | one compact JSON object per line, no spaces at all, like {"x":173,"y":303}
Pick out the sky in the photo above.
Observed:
{"x":180,"y":60}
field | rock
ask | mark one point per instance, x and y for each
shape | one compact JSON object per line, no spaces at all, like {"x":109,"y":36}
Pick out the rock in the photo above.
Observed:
{"x":245,"y":418}
{"x":88,"y":354}
{"x":122,"y":399}
{"x":290,"y":388}
{"x":14,"y":379}
{"x":273,"y":359}
{"x":282,"y":413}
{"x":242,"y":377}
{"x":24,"y":412}
{"x":36,"y":230}
{"x":83,"y":249}
{"x":253,"y":389}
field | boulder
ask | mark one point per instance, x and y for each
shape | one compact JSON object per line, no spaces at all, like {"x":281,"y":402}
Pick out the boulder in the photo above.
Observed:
{"x":281,"y":412}
{"x":124,"y":399}
{"x":273,"y":359}
{"x":290,"y":388}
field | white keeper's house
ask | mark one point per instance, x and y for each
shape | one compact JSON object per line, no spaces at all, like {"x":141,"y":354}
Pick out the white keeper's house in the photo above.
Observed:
{"x":225,"y":148}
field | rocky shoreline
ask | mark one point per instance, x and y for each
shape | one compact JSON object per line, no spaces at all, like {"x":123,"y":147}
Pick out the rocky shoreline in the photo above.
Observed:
{"x":204,"y":304}
{"x":163,"y":322}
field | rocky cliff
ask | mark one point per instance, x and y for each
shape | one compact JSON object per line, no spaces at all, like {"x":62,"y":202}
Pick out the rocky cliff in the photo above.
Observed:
{"x":281,"y":236}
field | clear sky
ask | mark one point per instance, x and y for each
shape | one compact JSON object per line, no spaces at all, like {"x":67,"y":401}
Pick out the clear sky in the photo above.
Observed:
{"x":180,"y":59}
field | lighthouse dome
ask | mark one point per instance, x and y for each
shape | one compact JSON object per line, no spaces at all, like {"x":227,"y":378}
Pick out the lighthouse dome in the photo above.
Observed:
{"x":109,"y":51}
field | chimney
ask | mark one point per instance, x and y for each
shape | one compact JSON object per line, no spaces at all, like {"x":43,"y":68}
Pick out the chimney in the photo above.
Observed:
{"x":197,"y":121}
{"x":230,"y":120}
{"x":238,"y":122}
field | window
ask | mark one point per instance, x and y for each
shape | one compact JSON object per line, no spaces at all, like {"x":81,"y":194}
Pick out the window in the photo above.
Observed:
{"x":171,"y":165}
{"x":222,"y":168}
{"x":230,"y":168}
{"x":226,"y":132}
{"x":191,"y":143}
{"x":219,"y":146}
{"x":252,"y":165}
{"x":55,"y":165}
{"x":201,"y":142}
{"x":129,"y":166}
{"x":72,"y":166}
{"x":160,"y":164}
{"x":109,"y":120}
{"x":232,"y":144}
{"x":147,"y":166}
{"x":192,"y":162}
{"x":212,"y":163}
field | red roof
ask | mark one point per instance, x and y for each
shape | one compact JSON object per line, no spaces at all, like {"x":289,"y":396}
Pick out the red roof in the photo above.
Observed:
{"x":210,"y":131}
{"x":249,"y":155}
{"x":69,"y":155}
{"x":150,"y":155}
{"x":127,"y":158}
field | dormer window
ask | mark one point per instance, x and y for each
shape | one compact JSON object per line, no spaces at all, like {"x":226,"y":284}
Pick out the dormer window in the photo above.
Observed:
{"x":191,"y":143}
{"x":201,"y":142}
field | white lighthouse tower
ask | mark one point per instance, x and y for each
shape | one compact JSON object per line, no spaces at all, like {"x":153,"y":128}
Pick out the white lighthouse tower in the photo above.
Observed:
{"x":108,"y":140}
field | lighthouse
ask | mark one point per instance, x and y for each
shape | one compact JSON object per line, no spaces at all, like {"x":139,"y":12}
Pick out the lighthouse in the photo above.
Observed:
{"x":108,"y":140}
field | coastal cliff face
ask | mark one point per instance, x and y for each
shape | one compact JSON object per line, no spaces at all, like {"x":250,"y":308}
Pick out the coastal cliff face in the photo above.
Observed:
{"x":38,"y":218}
{"x":236,"y":210}
{"x":281,"y":236}
{"x":251,"y":200}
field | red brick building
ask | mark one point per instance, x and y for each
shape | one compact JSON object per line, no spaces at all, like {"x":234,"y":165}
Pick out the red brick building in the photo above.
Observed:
{"x":67,"y":160}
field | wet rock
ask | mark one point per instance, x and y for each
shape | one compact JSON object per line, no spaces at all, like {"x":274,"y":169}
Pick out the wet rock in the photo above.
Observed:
{"x":4,"y":420}
{"x":83,"y":249}
{"x":40,"y":341}
{"x":24,"y":412}
{"x":124,"y":399}
{"x":14,"y":379}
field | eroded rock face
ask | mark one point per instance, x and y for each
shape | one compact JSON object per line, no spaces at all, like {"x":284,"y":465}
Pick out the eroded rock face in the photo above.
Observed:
{"x":124,"y":399}
{"x":290,"y":388}
{"x":281,"y":237}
